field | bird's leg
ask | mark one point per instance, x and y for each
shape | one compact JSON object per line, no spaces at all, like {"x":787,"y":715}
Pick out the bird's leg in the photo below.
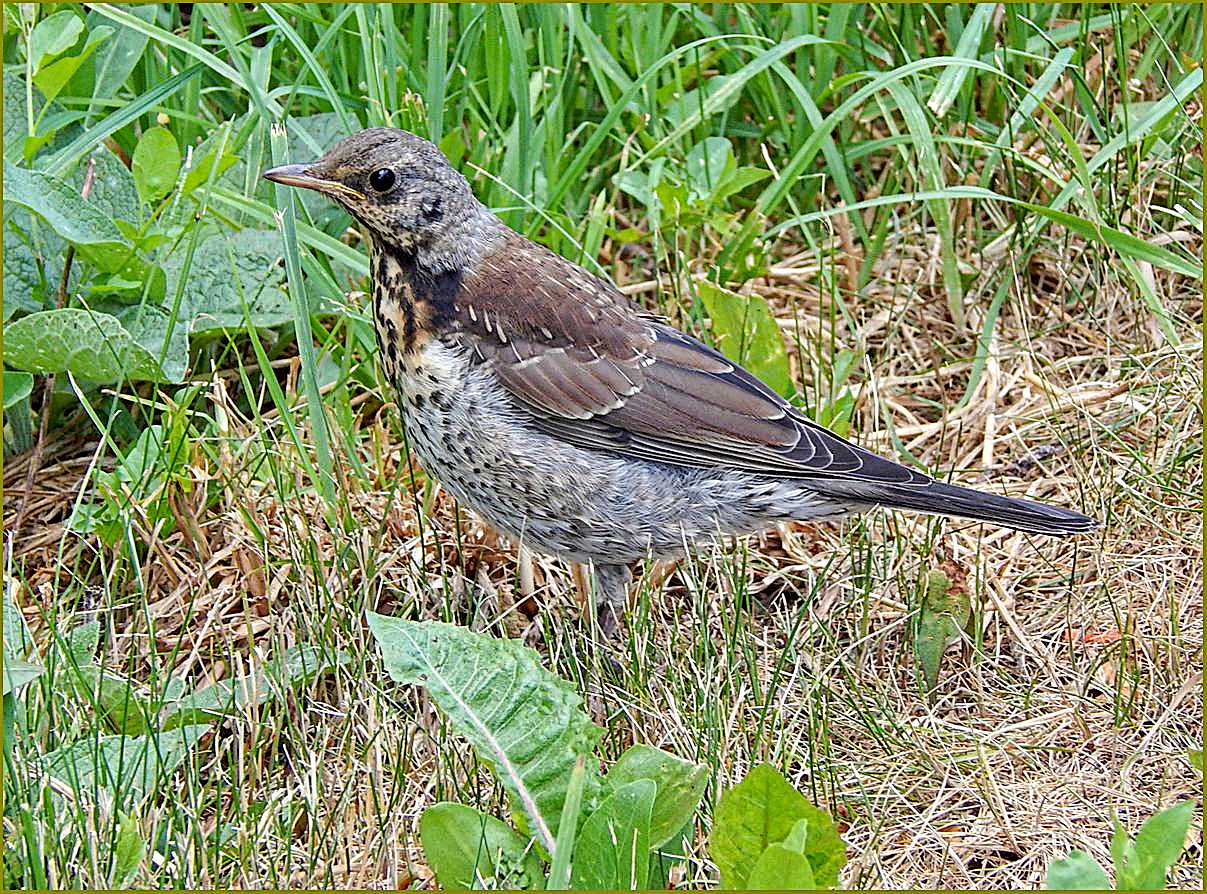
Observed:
{"x":611,"y":597}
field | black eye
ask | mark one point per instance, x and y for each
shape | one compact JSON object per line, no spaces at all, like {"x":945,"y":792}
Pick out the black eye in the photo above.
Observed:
{"x":381,"y":179}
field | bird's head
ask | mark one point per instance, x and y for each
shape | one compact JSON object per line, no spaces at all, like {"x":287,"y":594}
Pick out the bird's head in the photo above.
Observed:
{"x":398,"y":185}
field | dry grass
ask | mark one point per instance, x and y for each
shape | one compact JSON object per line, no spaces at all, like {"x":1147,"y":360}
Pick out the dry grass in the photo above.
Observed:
{"x":1075,"y":699}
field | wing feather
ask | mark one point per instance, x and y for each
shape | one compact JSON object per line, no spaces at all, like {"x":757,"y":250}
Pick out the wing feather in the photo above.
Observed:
{"x":592,"y":371}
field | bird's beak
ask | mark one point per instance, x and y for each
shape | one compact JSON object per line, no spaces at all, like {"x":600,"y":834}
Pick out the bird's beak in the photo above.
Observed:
{"x":300,"y":176}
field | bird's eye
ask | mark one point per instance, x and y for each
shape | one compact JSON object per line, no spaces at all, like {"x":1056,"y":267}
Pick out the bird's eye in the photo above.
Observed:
{"x":381,"y":179}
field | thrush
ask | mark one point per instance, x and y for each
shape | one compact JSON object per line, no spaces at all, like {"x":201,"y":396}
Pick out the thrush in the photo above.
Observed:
{"x":572,"y":421}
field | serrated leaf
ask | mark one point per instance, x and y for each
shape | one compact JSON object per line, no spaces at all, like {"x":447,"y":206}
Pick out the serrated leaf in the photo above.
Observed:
{"x":1076,"y":872}
{"x":1157,"y":846}
{"x":680,"y":787}
{"x":524,"y":722}
{"x":744,"y":330}
{"x":762,"y":810}
{"x":92,"y":346}
{"x":612,"y":850}
{"x":129,"y":767}
{"x":468,"y":850}
{"x":155,"y":163}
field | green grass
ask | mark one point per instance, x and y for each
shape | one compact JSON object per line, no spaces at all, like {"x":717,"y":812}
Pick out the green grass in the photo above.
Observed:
{"x":980,"y":232}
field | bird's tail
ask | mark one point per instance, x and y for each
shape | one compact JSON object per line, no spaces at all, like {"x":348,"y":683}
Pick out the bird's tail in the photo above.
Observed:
{"x":938,"y":498}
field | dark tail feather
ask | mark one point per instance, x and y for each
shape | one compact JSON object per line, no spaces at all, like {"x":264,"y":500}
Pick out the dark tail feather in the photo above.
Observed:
{"x":963,"y":502}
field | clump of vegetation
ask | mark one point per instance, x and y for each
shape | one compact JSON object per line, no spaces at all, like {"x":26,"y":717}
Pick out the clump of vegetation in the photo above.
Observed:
{"x":617,"y":831}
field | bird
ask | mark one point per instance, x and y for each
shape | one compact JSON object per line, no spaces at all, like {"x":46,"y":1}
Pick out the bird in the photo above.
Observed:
{"x":574,"y":422}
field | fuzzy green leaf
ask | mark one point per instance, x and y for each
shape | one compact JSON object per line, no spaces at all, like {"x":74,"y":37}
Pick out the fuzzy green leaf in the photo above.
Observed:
{"x":233,"y":278}
{"x":525,"y":723}
{"x":92,"y":346}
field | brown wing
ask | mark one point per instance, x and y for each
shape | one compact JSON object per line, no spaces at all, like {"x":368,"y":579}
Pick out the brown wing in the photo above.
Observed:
{"x":563,"y":342}
{"x":596,"y":373}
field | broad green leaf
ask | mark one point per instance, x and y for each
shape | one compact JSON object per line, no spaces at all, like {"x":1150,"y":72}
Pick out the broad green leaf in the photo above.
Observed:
{"x":92,"y":346}
{"x":1157,"y":846}
{"x":18,"y":386}
{"x":81,"y":643}
{"x":155,"y":163}
{"x":612,"y":851}
{"x":233,"y":278}
{"x":129,"y":767}
{"x":664,"y":857}
{"x":113,"y":190}
{"x":94,"y":234}
{"x":524,"y":722}
{"x":53,"y":36}
{"x":51,"y":77}
{"x":708,"y":163}
{"x":744,"y":330}
{"x":128,"y":850}
{"x":1076,"y":872}
{"x":780,"y":868}
{"x":116,"y":699}
{"x":762,"y":810}
{"x":468,"y":850}
{"x":1195,"y":756}
{"x":680,"y":787}
{"x":942,"y":615}
{"x":148,"y":325}
{"x":294,"y":666}
{"x":33,"y":264}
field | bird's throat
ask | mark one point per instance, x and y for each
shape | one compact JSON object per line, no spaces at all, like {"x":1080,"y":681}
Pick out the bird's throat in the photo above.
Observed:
{"x":410,"y":304}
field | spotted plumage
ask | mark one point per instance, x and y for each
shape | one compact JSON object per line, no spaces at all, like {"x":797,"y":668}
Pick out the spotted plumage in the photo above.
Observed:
{"x":572,"y":421}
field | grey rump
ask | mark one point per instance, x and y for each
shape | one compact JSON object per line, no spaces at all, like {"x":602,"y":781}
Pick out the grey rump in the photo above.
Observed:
{"x":568,"y":419}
